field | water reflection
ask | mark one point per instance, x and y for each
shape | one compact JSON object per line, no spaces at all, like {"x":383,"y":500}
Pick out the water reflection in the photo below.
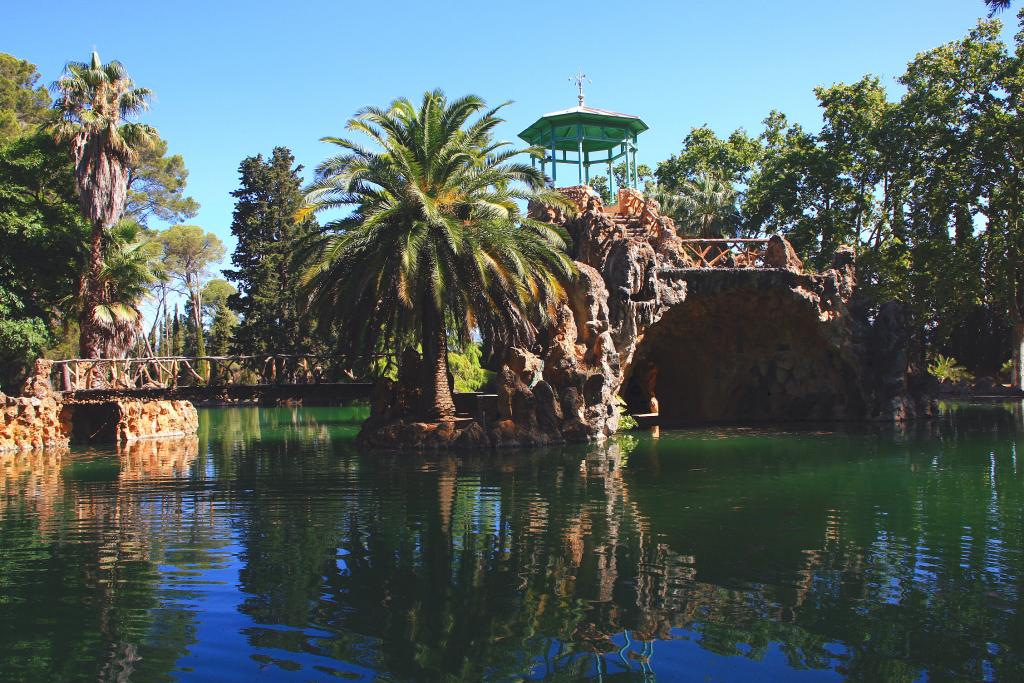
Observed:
{"x":269,"y":545}
{"x":79,"y":587}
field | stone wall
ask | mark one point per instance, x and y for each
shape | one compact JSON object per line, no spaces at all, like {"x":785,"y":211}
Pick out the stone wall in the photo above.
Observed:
{"x":28,"y":422}
{"x":35,"y":419}
{"x":150,"y":419}
{"x":41,"y":418}
{"x":127,"y":419}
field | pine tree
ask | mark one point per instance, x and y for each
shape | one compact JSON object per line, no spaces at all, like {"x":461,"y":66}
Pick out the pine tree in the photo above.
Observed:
{"x":178,"y":333}
{"x":264,"y":224}
{"x":221,"y":331}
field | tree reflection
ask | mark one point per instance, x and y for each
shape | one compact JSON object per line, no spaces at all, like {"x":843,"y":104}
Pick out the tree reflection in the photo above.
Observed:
{"x":833,"y":548}
{"x":880,"y":556}
{"x":79,"y":578}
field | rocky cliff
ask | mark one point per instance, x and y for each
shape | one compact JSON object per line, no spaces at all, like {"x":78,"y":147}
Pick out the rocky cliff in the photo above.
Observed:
{"x":753,"y":337}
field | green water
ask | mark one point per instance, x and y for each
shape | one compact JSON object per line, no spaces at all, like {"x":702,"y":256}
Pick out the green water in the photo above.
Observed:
{"x":270,"y":548}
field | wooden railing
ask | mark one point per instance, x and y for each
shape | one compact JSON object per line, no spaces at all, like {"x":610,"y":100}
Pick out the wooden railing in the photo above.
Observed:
{"x":740,"y":252}
{"x":77,"y":374}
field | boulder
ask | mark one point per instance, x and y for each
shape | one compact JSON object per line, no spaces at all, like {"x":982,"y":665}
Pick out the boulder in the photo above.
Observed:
{"x":780,"y":254}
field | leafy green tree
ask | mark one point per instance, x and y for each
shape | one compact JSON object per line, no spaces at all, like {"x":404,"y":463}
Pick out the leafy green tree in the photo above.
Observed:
{"x":94,"y":102}
{"x":704,"y":206}
{"x":216,"y":293}
{"x":188,"y":253}
{"x":732,"y":159}
{"x":998,"y":153}
{"x":600,"y":185}
{"x":156,"y":185}
{"x":436,"y":243}
{"x":467,"y":371}
{"x":223,"y":320}
{"x":222,"y":330}
{"x":268,"y":233}
{"x":927,"y":187}
{"x":177,"y":337}
{"x":42,"y":232}
{"x":42,"y":238}
{"x":645,"y":176}
{"x":24,"y":104}
{"x":800,"y":190}
{"x":23,"y":337}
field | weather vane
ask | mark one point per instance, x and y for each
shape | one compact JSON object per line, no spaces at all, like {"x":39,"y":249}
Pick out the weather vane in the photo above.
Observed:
{"x":579,"y":79}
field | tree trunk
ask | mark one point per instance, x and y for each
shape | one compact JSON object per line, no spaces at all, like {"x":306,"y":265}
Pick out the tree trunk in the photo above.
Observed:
{"x":1017,"y":381}
{"x":89,"y":341}
{"x":197,"y":322}
{"x":437,"y":393}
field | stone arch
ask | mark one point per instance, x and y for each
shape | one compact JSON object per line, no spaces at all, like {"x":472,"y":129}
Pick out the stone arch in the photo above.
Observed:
{"x":741,"y":354}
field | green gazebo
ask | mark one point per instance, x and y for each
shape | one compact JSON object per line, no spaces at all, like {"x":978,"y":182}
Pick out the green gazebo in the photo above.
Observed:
{"x":583,"y":136}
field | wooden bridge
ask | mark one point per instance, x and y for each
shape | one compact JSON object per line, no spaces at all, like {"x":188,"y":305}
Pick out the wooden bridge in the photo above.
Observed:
{"x":272,"y":378}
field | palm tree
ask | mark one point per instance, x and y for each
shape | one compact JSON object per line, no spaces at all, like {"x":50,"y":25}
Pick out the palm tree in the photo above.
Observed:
{"x":704,"y":206}
{"x":94,"y":102}
{"x":995,"y":6}
{"x":436,"y":243}
{"x":125,"y":279}
{"x":127,"y":272}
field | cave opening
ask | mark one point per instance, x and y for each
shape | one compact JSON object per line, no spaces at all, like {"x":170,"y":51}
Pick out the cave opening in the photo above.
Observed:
{"x":740,"y":355}
{"x":94,"y":422}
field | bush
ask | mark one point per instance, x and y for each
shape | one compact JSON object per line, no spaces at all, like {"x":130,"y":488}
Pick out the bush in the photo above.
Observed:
{"x":1006,"y":371}
{"x":947,"y":369}
{"x":465,"y":366}
{"x":626,"y":421}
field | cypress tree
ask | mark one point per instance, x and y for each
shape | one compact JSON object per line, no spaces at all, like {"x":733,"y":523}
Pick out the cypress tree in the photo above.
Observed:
{"x":178,"y":334}
{"x":264,"y":224}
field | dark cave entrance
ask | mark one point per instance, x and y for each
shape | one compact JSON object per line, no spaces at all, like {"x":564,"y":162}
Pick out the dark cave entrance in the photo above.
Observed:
{"x":741,"y":355}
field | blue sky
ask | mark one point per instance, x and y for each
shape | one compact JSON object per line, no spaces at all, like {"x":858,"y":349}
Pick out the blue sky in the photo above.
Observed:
{"x":233,"y":79}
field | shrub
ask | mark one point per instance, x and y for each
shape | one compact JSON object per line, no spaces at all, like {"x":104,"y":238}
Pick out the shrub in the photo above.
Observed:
{"x":1006,"y":371}
{"x":947,"y":369}
{"x":466,"y":368}
{"x":626,"y":421}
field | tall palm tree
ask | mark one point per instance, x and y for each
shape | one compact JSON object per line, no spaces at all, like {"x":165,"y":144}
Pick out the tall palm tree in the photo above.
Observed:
{"x":95,"y":101}
{"x":704,"y":206}
{"x":995,"y":6}
{"x":127,"y":273}
{"x":436,"y":242}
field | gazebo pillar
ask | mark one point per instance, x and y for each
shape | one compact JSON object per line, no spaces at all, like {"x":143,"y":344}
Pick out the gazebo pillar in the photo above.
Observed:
{"x":625,"y":154}
{"x":586,"y":132}
{"x":636,"y":174}
{"x":579,"y":146}
{"x":611,"y":178}
{"x":554,"y":157}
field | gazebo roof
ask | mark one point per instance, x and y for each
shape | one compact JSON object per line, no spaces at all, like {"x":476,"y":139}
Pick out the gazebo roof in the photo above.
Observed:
{"x":602,"y":129}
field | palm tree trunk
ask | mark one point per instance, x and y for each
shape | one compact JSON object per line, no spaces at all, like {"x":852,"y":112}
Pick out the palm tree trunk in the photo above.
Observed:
{"x":89,"y":292}
{"x":437,"y":393}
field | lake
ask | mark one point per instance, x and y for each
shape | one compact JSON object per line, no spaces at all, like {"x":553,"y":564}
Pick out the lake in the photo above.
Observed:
{"x":271,"y":548}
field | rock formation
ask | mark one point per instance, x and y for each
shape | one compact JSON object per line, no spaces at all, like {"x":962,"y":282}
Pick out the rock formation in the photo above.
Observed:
{"x":34,"y":419}
{"x":708,"y":332}
{"x":43,"y":418}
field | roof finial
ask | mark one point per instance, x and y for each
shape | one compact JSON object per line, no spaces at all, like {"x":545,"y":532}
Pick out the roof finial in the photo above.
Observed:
{"x":579,"y":79}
